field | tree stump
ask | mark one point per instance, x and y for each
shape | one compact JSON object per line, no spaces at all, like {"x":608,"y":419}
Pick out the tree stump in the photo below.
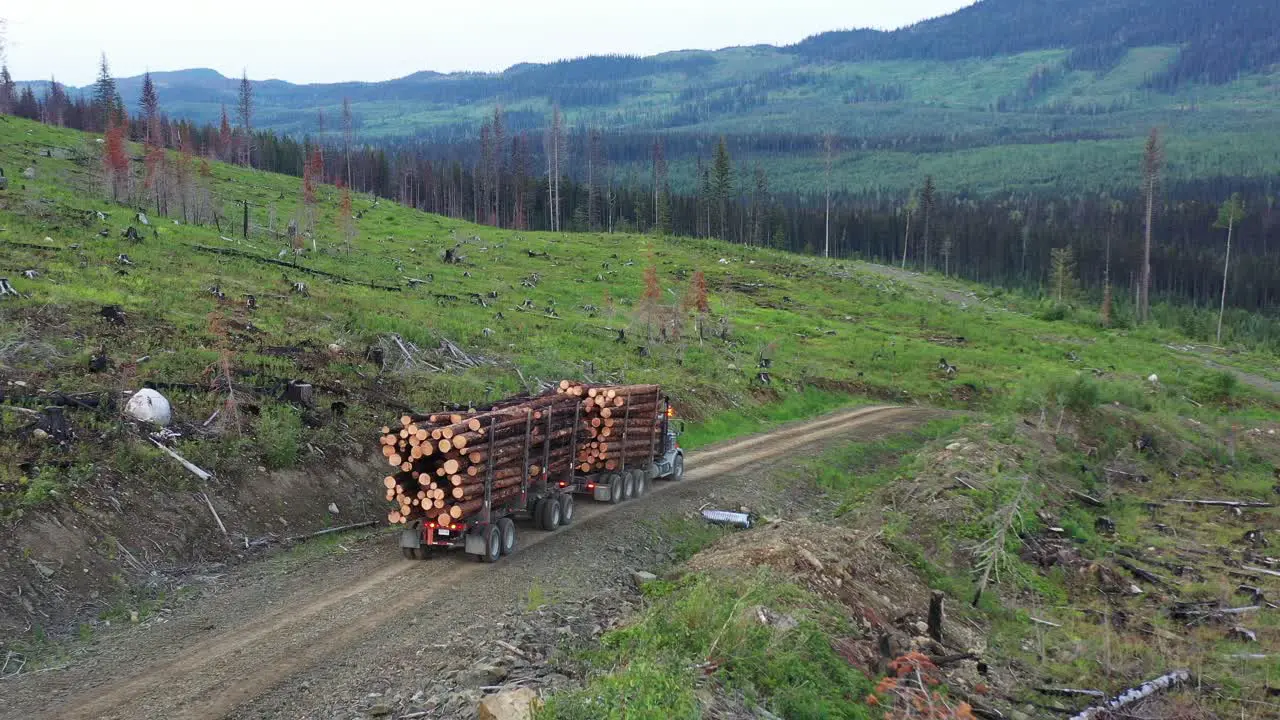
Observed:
{"x":936,"y":600}
{"x":53,"y":420}
{"x":113,"y":314}
{"x":299,"y":392}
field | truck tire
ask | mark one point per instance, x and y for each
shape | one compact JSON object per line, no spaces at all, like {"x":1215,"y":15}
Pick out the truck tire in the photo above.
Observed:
{"x":549,"y":514}
{"x":566,"y":509}
{"x":628,"y":486}
{"x":492,"y":545}
{"x":615,"y":488}
{"x":507,"y":530}
{"x":677,"y":469}
{"x":409,"y":553}
{"x":641,"y":484}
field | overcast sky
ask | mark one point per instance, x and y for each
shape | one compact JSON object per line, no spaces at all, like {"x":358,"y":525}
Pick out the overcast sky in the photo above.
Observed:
{"x":326,"y":41}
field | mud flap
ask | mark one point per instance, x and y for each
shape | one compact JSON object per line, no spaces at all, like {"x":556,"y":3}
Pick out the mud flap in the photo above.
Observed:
{"x":475,"y":540}
{"x":603,"y":493}
{"x":411,"y":537}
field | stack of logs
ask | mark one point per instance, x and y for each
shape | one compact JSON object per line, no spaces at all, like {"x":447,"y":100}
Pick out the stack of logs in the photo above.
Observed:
{"x":619,"y":423}
{"x":442,"y":461}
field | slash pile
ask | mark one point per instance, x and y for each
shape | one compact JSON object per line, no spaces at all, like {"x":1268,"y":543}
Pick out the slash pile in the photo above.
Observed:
{"x":441,"y":462}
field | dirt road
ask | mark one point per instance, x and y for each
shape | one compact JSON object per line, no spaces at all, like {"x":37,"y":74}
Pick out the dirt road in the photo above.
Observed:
{"x":288,"y":644}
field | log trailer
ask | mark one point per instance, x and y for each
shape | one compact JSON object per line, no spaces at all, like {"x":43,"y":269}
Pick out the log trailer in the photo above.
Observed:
{"x":463,"y":481}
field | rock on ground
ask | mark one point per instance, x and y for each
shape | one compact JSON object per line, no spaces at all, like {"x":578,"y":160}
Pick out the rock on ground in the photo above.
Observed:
{"x":509,"y":705}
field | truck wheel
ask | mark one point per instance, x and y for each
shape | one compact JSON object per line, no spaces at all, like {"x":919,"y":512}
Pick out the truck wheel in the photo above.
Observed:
{"x":409,"y":553}
{"x":615,"y":488}
{"x":642,"y":483}
{"x":507,"y":529}
{"x":628,"y":485}
{"x":549,"y":514}
{"x":492,"y":545}
{"x":566,"y":509}
{"x":677,"y":469}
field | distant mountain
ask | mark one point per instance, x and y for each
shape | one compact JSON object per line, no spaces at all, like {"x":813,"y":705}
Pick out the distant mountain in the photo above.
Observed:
{"x":992,"y":86}
{"x":1219,"y":38}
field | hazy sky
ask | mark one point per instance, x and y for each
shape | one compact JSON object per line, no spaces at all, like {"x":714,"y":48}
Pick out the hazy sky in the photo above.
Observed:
{"x":326,"y":41}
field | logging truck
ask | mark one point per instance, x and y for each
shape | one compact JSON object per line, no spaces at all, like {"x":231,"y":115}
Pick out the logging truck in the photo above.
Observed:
{"x":461,"y":481}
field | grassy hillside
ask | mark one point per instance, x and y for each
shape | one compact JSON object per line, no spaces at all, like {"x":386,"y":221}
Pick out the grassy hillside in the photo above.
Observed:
{"x":531,"y":305}
{"x":526,"y":305}
{"x":1053,"y":399}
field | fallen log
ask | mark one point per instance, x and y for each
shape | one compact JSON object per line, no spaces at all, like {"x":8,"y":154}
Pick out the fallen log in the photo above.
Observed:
{"x":291,"y":266}
{"x":330,"y":531}
{"x":1226,"y":503}
{"x":1133,"y":695}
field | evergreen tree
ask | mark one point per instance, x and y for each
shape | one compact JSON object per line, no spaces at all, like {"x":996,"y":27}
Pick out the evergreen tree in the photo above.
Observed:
{"x":926,"y":204}
{"x":661,"y":190}
{"x":722,"y":185}
{"x":149,"y":108}
{"x":104,"y":94}
{"x":760,"y":208}
{"x":245,"y":112}
{"x":224,"y":138}
{"x":1062,"y":271}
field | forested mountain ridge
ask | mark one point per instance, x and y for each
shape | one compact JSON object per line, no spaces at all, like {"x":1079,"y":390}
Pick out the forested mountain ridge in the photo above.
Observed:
{"x":1004,"y":94}
{"x":1218,"y":39}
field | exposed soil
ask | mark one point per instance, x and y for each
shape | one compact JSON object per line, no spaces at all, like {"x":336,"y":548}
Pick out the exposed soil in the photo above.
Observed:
{"x":361,"y":629}
{"x":72,"y":564}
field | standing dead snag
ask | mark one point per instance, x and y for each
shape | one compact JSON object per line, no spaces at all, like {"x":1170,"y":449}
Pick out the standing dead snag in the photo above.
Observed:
{"x":1152,"y":161}
{"x":648,"y":309}
{"x":696,"y":300}
{"x":1231,"y":213}
{"x":346,"y":221}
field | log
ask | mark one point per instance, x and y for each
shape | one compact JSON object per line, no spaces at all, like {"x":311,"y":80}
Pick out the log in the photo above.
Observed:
{"x":192,"y":468}
{"x":1133,"y":695}
{"x":1086,"y":499}
{"x":1227,"y":503}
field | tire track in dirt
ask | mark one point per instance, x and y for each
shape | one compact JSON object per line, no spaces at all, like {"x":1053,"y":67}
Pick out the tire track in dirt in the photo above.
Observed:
{"x":214,"y":676}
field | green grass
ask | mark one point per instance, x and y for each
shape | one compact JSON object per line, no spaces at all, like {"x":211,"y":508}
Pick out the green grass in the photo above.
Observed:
{"x":836,"y":335}
{"x":707,"y":625}
{"x":807,"y":403}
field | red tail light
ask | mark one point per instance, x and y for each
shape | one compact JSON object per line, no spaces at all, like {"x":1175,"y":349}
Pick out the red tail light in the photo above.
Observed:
{"x":591,"y":486}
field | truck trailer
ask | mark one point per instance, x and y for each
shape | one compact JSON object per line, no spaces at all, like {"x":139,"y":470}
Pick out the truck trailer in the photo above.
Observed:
{"x":462,"y":480}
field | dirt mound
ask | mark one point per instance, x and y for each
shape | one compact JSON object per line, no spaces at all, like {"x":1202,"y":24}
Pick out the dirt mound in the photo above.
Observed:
{"x":881,"y":592}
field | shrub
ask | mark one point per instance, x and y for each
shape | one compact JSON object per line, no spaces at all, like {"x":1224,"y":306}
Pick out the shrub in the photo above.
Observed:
{"x":279,"y":436}
{"x":1079,"y":394}
{"x":1054,"y":313}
